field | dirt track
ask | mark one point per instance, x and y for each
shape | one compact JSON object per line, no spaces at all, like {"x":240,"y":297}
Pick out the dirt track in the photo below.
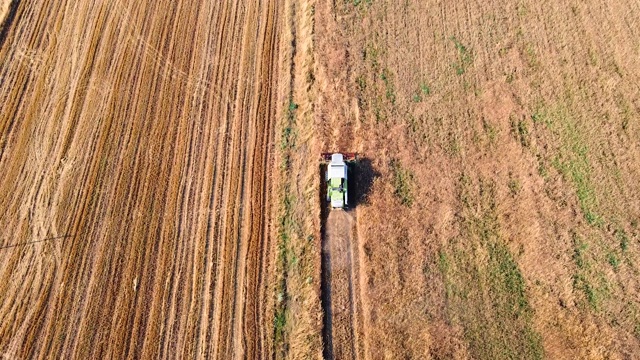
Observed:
{"x":135,"y":146}
{"x":341,"y":287}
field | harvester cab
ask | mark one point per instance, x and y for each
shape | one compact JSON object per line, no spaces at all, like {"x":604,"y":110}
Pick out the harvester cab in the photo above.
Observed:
{"x":336,"y":178}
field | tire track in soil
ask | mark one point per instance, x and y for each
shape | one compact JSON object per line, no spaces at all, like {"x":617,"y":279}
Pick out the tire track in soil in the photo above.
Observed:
{"x":344,"y":312}
{"x":338,"y":287}
{"x":338,"y":120}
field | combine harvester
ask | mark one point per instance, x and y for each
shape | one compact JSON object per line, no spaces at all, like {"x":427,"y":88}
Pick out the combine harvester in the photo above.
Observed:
{"x":336,"y":178}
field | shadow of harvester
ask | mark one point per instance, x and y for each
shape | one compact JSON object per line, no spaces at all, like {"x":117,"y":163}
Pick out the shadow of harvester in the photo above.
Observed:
{"x":361,"y":176}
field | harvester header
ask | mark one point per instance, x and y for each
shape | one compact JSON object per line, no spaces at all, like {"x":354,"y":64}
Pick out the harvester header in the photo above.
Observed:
{"x":346,"y":157}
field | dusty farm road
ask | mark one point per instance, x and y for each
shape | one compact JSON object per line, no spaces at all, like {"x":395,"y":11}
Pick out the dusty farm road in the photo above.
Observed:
{"x":141,"y":132}
{"x":340,"y":288}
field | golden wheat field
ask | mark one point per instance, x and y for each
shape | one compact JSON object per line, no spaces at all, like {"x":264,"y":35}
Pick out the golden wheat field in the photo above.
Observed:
{"x":134,"y":172}
{"x":162,"y":196}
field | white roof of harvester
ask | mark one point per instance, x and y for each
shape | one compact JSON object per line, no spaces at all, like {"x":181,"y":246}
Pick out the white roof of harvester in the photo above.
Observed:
{"x":337,"y":167}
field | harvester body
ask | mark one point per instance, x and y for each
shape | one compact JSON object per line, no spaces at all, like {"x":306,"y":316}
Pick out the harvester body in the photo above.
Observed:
{"x":336,"y":178}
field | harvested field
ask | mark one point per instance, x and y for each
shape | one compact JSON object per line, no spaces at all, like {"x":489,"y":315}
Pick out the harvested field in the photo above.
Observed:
{"x":4,"y":10}
{"x":7,"y":12}
{"x":135,"y":161}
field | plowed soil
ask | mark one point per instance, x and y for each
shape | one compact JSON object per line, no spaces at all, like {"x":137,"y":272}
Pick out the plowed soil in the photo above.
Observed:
{"x":135,"y":160}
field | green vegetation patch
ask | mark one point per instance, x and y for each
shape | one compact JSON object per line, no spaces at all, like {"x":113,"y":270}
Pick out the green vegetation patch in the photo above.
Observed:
{"x":360,"y":2}
{"x":589,"y":278}
{"x":485,"y":290}
{"x":423,"y":91}
{"x":288,"y":135}
{"x":286,"y":229}
{"x":371,"y":54}
{"x":389,"y":88}
{"x":572,"y":159}
{"x":377,"y":89}
{"x":515,"y":186}
{"x":465,"y":57}
{"x":403,"y":182}
{"x":520,"y":131}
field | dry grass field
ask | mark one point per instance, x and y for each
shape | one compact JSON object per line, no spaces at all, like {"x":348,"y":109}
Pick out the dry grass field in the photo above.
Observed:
{"x":502,"y":221}
{"x":161,"y":196}
{"x":507,"y":138}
